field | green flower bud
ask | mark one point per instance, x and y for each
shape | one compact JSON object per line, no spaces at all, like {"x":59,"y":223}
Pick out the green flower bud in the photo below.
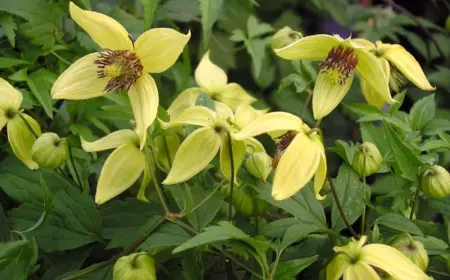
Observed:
{"x":435,"y":182}
{"x":49,"y":150}
{"x":367,"y":159}
{"x":166,"y":147}
{"x":414,"y":250}
{"x":245,"y":201}
{"x":137,"y":266}
{"x":259,"y":164}
{"x":284,"y":37}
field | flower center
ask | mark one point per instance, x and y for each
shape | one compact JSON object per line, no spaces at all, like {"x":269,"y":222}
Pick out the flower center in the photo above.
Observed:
{"x":282,"y":144}
{"x":396,"y":78}
{"x":10,"y":113}
{"x":122,"y":67}
{"x":339,"y":64}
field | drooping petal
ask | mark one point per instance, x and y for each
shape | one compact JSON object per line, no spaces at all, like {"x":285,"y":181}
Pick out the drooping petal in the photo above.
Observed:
{"x":369,"y":93}
{"x":224,"y":111}
{"x":275,"y":121}
{"x":144,"y":101}
{"x":3,"y":119}
{"x":234,"y":95}
{"x":10,"y":98}
{"x":238,"y":148}
{"x":365,"y":43}
{"x":111,"y":141}
{"x":183,"y":101}
{"x":210,"y":76}
{"x":121,"y":169}
{"x":370,"y":69}
{"x":360,"y":270}
{"x":245,"y":114}
{"x":80,"y":81}
{"x":105,"y":31}
{"x":407,"y":64}
{"x":315,"y":47}
{"x":397,"y":265}
{"x":159,"y":48}
{"x":197,"y":115}
{"x":22,"y":139}
{"x":296,"y":167}
{"x":327,"y":94}
{"x":146,"y":179}
{"x":194,"y":154}
{"x":321,"y":174}
{"x":335,"y":269}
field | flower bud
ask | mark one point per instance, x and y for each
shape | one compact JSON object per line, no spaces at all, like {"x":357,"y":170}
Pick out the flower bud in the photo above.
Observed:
{"x":166,"y":147}
{"x":259,"y":164}
{"x":284,"y":37}
{"x":435,"y":182}
{"x":137,"y":266}
{"x":245,"y":201}
{"x":414,"y":250}
{"x":49,"y":150}
{"x":367,"y":159}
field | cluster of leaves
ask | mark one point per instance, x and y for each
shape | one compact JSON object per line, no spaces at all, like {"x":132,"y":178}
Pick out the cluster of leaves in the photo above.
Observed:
{"x":51,"y":229}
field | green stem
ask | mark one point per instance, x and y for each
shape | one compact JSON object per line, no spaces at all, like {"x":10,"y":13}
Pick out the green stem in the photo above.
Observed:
{"x":69,"y":147}
{"x":155,"y":181}
{"x":275,"y":265}
{"x":230,"y":150}
{"x":62,"y":59}
{"x":317,"y":124}
{"x":363,"y":217}
{"x":307,"y":101}
{"x":203,"y":201}
{"x":414,"y":203}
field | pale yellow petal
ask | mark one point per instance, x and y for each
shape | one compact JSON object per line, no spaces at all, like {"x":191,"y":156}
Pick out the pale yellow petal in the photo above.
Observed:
{"x":321,"y":174}
{"x":296,"y":167}
{"x":224,"y":111}
{"x":315,"y":47}
{"x":234,"y":95}
{"x":238,"y":148}
{"x":397,"y":265}
{"x":80,"y":81}
{"x":407,"y":64}
{"x":184,"y":100}
{"x":245,"y":114}
{"x":121,"y":169}
{"x":335,"y":269}
{"x":327,"y":94}
{"x":21,"y":138}
{"x":197,"y":115}
{"x":275,"y":121}
{"x":194,"y":154}
{"x":10,"y":98}
{"x":363,"y":42}
{"x":144,"y":101}
{"x":105,"y":31}
{"x":159,"y":48}
{"x":360,"y":270}
{"x":111,"y":141}
{"x":210,"y":76}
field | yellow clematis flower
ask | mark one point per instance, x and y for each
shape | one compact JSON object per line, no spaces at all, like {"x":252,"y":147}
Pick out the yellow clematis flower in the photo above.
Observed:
{"x":122,"y":64}
{"x":340,"y":59}
{"x":299,"y":156}
{"x":355,"y":261}
{"x":213,"y":81}
{"x":18,"y":124}
{"x":202,"y":145}
{"x":123,"y":167}
{"x":397,"y":64}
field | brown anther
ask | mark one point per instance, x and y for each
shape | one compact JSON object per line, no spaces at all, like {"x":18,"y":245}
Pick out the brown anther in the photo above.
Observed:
{"x":341,"y":59}
{"x":283,"y":143}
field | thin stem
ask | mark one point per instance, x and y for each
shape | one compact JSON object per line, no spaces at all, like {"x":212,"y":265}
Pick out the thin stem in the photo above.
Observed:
{"x":155,"y":182}
{"x":317,"y":124}
{"x":62,"y":59}
{"x":69,"y":147}
{"x":203,"y":201}
{"x":413,"y":204}
{"x":230,"y":150}
{"x":275,"y":265}
{"x":307,"y":101}
{"x":339,"y":207}
{"x":363,"y":217}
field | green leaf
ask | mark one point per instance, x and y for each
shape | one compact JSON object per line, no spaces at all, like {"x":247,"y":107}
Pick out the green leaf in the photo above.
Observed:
{"x":364,"y":110}
{"x":149,"y":11}
{"x":238,"y":36}
{"x":303,"y":205}
{"x":435,"y":126}
{"x":422,"y":112}
{"x":399,"y":223}
{"x":5,"y":235}
{"x":192,"y":265}
{"x":400,"y":97}
{"x":293,"y":79}
{"x":17,"y":259}
{"x":278,"y":228}
{"x":9,"y":28}
{"x":210,"y":10}
{"x":442,"y":205}
{"x":8,"y":62}
{"x":405,"y":160}
{"x":290,"y":269}
{"x":223,"y":231}
{"x":344,"y":150}
{"x":65,"y":263}
{"x":434,"y":145}
{"x":257,"y":49}
{"x":375,"y":134}
{"x":40,"y":83}
{"x":296,"y":233}
{"x":433,"y":245}
{"x":255,"y":29}
{"x":180,"y":10}
{"x":351,"y":192}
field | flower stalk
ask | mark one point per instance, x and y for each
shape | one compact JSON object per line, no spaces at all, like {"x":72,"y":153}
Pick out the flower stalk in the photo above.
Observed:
{"x":230,"y":150}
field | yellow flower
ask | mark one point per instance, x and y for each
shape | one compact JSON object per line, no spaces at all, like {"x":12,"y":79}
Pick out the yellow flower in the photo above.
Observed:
{"x":397,"y":64}
{"x":202,"y":145}
{"x":122,"y":64}
{"x":18,"y":124}
{"x":340,"y":59}
{"x":124,"y":165}
{"x":214,"y":82}
{"x":299,"y":155}
{"x":355,"y":261}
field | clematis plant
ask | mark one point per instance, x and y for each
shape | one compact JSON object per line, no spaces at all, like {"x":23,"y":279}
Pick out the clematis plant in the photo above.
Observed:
{"x":21,"y":128}
{"x":339,"y":60}
{"x":300,"y":153}
{"x":122,"y":65}
{"x":214,"y":82}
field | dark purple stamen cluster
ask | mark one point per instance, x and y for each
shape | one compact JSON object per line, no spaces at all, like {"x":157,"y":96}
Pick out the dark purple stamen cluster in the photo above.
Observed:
{"x":341,"y":59}
{"x":283,"y":143}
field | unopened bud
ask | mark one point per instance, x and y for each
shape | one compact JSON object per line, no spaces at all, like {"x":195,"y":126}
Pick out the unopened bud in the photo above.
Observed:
{"x":49,"y":150}
{"x":138,"y":266}
{"x":259,"y":164}
{"x":166,"y":147}
{"x":367,"y":159}
{"x":414,"y":250}
{"x":284,"y":37}
{"x":435,"y":182}
{"x":245,"y":201}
